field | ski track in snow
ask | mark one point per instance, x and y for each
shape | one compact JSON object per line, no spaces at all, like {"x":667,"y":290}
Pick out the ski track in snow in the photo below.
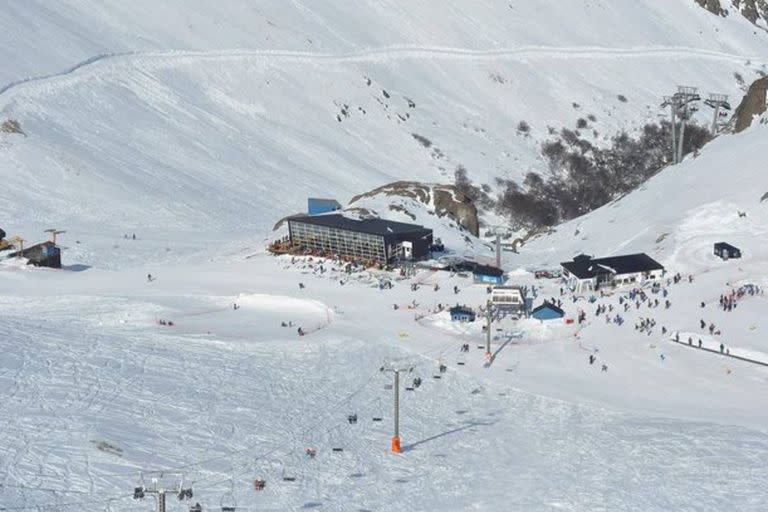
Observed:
{"x":97,"y":64}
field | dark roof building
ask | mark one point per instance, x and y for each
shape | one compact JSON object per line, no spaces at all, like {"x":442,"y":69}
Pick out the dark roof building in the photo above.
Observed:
{"x":370,"y":240}
{"x":726,"y":251}
{"x":462,"y":314}
{"x":46,"y":254}
{"x":488,"y":274}
{"x":585,"y":272}
{"x":585,"y":267}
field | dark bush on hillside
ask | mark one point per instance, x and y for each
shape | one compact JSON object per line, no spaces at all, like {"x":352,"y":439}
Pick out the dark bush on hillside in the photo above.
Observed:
{"x":582,"y":177}
{"x":478,"y":195}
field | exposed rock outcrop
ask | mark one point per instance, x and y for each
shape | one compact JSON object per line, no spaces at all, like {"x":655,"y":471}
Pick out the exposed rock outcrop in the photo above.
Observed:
{"x":753,"y":104}
{"x":756,"y":11}
{"x":446,"y":200}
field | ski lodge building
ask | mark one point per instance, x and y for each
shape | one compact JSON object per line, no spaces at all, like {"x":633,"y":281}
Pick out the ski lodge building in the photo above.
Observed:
{"x":367,"y":240}
{"x":509,"y":300}
{"x":46,"y":254}
{"x":462,"y":314}
{"x":726,"y":251}
{"x":486,"y":274}
{"x":585,"y":273}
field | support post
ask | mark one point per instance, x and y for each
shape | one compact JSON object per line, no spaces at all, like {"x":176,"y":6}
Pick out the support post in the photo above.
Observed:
{"x":672,"y":108}
{"x":498,"y":250}
{"x":396,"y":367}
{"x":488,"y":330}
{"x":161,"y":502}
{"x":682,"y":134}
{"x":396,"y":437}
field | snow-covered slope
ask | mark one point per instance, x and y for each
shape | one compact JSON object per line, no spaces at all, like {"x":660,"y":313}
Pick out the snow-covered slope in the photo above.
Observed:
{"x":227,"y":120}
{"x":197,"y":127}
{"x":677,"y":215}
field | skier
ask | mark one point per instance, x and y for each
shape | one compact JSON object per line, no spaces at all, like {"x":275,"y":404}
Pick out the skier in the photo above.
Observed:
{"x":300,"y":331}
{"x":301,"y":286}
{"x":604,"y":368}
{"x":149,"y":278}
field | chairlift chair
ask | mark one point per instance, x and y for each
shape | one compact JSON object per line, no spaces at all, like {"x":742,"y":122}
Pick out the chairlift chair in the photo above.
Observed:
{"x":228,"y":503}
{"x":197,"y":507}
{"x":352,"y":419}
{"x":377,"y":417}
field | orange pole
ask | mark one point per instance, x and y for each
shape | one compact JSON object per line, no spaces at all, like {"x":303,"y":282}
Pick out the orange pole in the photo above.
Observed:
{"x":396,"y":444}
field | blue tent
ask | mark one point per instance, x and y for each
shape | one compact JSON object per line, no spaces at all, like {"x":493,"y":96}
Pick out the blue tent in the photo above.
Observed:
{"x":547,"y":311}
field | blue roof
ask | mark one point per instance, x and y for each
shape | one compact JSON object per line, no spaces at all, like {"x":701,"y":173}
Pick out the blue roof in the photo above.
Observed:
{"x":327,"y":202}
{"x":550,"y":307}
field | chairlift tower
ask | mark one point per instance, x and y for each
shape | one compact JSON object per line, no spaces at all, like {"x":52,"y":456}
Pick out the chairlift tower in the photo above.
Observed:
{"x":682,"y":105}
{"x":54,"y":234}
{"x":671,"y":102}
{"x":718,"y":102}
{"x":397,"y":367}
{"x":489,"y":320}
{"x":688,"y":105}
{"x":161,"y":484}
{"x":499,"y":230}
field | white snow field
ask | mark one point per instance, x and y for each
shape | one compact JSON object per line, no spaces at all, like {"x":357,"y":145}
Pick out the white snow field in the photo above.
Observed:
{"x":197,"y":128}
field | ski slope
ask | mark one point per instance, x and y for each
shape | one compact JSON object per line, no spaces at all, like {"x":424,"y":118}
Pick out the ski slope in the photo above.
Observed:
{"x":228,"y":396}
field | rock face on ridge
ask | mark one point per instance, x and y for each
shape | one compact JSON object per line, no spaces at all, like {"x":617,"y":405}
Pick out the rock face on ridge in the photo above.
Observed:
{"x":753,"y":104}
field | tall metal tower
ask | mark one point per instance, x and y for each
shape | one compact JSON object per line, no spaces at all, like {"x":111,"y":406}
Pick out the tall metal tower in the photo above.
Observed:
{"x":688,"y":98}
{"x":681,"y":105}
{"x":397,"y":367}
{"x":718,"y":102}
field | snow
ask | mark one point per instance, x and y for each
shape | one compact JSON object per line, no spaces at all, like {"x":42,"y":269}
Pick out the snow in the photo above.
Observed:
{"x":198,"y":129}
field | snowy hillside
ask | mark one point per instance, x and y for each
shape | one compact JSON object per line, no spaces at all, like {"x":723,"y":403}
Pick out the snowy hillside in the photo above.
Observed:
{"x":233,"y":122}
{"x":677,"y":215}
{"x":189,"y":350}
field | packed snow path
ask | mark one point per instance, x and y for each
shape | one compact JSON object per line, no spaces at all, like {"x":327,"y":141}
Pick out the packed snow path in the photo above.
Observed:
{"x":109,"y":62}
